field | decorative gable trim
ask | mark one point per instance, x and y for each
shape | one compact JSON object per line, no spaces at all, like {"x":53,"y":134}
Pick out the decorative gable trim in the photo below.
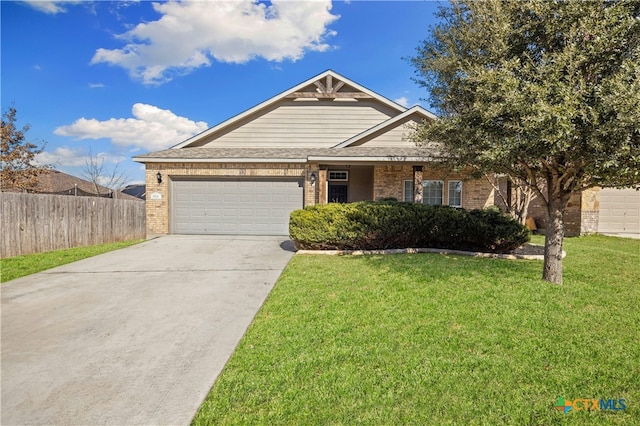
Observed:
{"x":328,"y":85}
{"x":324,"y":88}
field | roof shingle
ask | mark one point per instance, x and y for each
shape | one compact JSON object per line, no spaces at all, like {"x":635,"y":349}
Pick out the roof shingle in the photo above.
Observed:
{"x":290,"y":154}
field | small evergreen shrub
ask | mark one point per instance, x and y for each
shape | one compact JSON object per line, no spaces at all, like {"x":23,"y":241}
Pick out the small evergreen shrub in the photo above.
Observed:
{"x":369,"y":225}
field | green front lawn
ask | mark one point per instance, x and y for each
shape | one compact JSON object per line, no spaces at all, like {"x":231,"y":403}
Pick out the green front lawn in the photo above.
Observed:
{"x":439,"y":339}
{"x":20,"y":266}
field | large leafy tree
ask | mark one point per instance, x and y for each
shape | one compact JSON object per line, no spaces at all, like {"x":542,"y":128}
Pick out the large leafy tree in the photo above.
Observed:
{"x":17,"y":156}
{"x":544,"y":91}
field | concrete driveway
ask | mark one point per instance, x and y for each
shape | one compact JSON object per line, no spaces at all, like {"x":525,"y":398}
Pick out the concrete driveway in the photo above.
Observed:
{"x":135,"y":336}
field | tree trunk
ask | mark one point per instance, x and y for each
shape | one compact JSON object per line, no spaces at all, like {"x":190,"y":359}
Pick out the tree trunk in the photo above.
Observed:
{"x":552,"y":270}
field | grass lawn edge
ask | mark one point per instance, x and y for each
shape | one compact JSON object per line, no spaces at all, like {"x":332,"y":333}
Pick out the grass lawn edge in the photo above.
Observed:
{"x":28,"y":264}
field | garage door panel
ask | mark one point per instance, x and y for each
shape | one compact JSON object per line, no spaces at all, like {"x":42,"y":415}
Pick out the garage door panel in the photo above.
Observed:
{"x":619,"y":211}
{"x":244,"y":228}
{"x":229,"y":212}
{"x":234,"y":206}
{"x":279,"y":198}
{"x":246,"y":213}
{"x":183,"y":197}
{"x":262,"y":213}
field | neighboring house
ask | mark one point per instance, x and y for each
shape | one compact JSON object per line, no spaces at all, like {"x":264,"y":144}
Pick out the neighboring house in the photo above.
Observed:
{"x":138,"y":191}
{"x":327,"y":139}
{"x":59,"y":183}
{"x":606,"y":211}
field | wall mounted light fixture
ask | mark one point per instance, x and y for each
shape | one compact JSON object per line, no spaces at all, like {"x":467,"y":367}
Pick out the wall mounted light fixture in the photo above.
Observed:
{"x":159,"y":177}
{"x":312,"y":179}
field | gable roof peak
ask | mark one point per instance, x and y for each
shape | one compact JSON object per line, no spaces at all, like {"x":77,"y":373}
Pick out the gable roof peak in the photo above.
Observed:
{"x":326,"y":85}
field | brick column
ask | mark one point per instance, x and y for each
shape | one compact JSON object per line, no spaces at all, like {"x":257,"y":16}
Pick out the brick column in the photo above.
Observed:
{"x":322,"y":186}
{"x":311,"y":191}
{"x":417,"y":184}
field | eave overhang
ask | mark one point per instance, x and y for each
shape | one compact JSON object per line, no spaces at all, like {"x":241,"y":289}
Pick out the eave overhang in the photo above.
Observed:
{"x":220,"y":160}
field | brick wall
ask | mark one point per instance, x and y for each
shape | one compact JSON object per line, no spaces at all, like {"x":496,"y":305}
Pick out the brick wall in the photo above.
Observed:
{"x":477,"y":194}
{"x":581,"y":216}
{"x":158,"y":209}
{"x":573,"y":216}
{"x":388,"y":181}
{"x":590,"y":211}
{"x":311,"y":192}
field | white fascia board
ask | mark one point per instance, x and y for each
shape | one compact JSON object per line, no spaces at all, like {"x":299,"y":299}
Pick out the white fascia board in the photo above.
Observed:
{"x":281,"y":96}
{"x":219,"y":160}
{"x":385,"y":159}
{"x":387,"y":123}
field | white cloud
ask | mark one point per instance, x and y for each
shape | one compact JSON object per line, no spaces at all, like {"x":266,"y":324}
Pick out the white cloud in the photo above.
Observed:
{"x":73,"y":157}
{"x":96,"y":85}
{"x":50,"y":7}
{"x":402,"y":101}
{"x":190,"y":34}
{"x":151,"y":128}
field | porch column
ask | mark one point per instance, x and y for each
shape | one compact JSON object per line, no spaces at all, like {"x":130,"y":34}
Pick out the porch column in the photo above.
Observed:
{"x":417,"y":184}
{"x":322,"y":186}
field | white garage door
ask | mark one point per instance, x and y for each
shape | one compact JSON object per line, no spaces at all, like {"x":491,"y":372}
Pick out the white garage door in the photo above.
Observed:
{"x":234,"y":206}
{"x":619,"y":212}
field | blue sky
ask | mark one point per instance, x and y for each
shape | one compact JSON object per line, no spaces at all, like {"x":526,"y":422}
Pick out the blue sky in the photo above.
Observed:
{"x":119,"y":79}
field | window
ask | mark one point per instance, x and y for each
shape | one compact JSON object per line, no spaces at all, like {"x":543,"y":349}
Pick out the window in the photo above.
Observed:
{"x":432,"y":192}
{"x":338,"y":175}
{"x":408,"y":191}
{"x":455,"y":193}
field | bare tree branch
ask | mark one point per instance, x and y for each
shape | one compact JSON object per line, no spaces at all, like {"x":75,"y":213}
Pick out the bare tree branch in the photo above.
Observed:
{"x":94,"y":170}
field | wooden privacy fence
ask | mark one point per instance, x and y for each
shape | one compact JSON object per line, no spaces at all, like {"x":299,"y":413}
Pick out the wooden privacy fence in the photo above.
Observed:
{"x":34,"y":223}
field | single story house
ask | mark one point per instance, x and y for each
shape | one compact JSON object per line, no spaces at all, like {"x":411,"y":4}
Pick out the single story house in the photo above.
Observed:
{"x":327,"y":139}
{"x":55,"y":182}
{"x":136,"y":190}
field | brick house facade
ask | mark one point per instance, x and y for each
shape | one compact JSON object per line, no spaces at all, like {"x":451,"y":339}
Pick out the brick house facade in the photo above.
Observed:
{"x":327,"y":139}
{"x":388,"y":182}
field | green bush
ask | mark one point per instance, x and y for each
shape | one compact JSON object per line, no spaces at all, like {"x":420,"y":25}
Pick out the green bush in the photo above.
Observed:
{"x":371,"y":225}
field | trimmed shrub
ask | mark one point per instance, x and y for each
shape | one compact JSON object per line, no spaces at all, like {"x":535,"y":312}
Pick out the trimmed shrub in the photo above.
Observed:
{"x":369,"y":225}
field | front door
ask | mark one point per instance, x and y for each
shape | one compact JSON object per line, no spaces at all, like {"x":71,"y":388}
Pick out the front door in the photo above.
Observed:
{"x":337,"y":193}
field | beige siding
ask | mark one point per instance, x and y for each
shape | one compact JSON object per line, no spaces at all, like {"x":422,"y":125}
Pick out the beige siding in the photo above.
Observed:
{"x":397,"y":137}
{"x":313,"y":124}
{"x":360,"y":183}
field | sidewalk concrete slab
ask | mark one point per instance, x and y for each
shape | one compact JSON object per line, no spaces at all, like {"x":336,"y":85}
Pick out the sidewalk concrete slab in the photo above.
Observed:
{"x":135,"y":336}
